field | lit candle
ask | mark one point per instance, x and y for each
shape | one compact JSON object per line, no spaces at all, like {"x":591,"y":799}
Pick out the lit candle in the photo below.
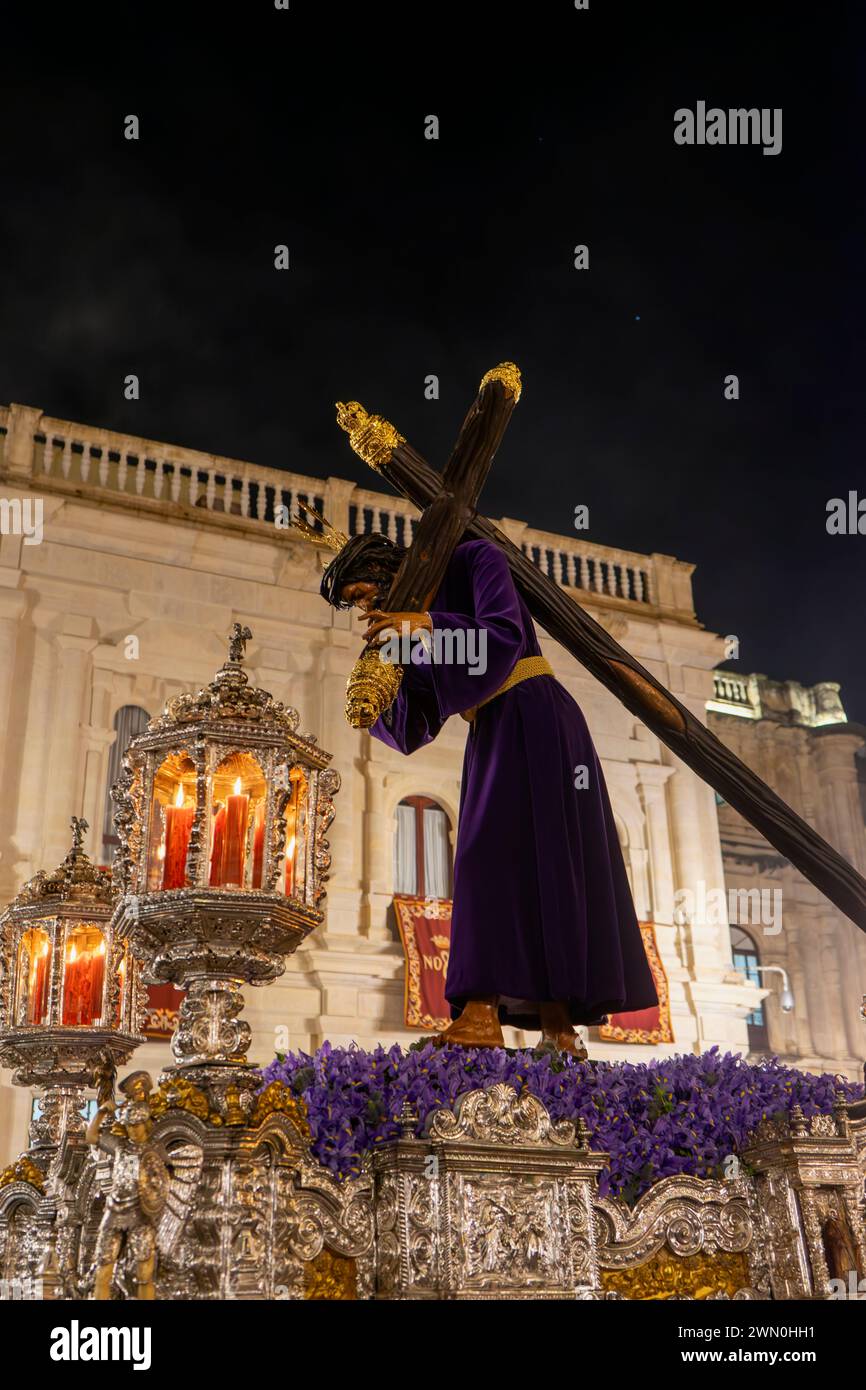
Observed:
{"x":216,"y":854}
{"x":72,"y":987}
{"x":121,"y":980}
{"x":237,"y":810}
{"x":36,"y":1003}
{"x":259,"y":845}
{"x":290,"y":866}
{"x":97,"y":976}
{"x":178,"y":827}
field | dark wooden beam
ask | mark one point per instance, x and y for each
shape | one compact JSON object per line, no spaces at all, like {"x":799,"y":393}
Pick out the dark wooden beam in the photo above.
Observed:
{"x":558,"y":612}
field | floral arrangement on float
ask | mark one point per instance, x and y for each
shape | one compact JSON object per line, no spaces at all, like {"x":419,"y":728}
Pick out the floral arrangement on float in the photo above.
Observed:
{"x":684,"y":1114}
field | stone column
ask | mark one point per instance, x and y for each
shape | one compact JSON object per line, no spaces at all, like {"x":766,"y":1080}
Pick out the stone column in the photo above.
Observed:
{"x":840,"y":820}
{"x":13,"y":604}
{"x":840,"y":817}
{"x":797,"y":1028}
{"x":98,"y":737}
{"x":378,"y":847}
{"x":66,"y":743}
{"x":22,"y":425}
{"x":697,"y":862}
{"x":651,"y":781}
{"x":721,"y":1005}
{"x":842,"y":985}
{"x":338,"y":495}
{"x":671,"y":581}
{"x":97,"y":743}
{"x":344,"y":909}
{"x":32,"y":791}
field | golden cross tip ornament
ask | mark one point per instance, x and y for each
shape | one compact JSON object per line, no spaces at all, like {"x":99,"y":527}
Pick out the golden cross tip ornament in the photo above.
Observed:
{"x":373,"y":438}
{"x":509,"y":374}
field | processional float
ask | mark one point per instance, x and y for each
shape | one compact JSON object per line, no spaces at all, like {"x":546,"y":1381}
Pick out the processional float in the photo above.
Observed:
{"x":204,"y":1186}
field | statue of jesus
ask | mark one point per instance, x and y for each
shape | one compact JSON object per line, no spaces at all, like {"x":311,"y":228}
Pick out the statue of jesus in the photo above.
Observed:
{"x":544,"y":932}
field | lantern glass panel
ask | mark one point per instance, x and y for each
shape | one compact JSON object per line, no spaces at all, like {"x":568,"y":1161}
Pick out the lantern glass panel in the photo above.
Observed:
{"x":33,"y":977}
{"x":237,"y":828}
{"x":83,"y":976}
{"x":171,"y":818}
{"x":294,"y":872}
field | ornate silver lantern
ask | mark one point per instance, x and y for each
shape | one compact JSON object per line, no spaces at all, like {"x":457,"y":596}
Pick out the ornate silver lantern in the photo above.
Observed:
{"x":68,"y":992}
{"x":222,"y":809}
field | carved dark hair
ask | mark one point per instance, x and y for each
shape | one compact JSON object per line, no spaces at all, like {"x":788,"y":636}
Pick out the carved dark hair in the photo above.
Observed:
{"x":364,"y":560}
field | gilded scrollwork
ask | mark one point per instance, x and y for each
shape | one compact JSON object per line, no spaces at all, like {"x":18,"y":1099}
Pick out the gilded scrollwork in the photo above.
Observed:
{"x":685,"y":1214}
{"x":499,"y":1115}
{"x":328,"y":786}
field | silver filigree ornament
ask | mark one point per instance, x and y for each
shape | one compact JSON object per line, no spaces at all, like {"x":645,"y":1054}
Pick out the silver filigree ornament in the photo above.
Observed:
{"x":222,"y":813}
{"x":70,"y":996}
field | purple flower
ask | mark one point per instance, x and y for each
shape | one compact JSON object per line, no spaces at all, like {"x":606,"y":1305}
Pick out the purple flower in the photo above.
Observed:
{"x":683,"y":1114}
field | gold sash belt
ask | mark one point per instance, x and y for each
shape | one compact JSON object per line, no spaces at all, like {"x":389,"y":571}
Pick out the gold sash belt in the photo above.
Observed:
{"x":524,"y":670}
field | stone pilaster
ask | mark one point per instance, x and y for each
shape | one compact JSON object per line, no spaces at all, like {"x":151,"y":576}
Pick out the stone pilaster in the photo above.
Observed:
{"x":23,"y":424}
{"x":73,"y":676}
{"x":13,"y":605}
{"x":651,"y":784}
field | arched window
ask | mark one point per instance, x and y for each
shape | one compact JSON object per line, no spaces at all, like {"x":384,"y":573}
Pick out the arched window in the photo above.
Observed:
{"x":129,"y":721}
{"x":422,"y":849}
{"x":747,"y":960}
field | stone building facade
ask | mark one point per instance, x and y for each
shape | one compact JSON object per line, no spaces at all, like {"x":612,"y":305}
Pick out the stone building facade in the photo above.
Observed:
{"x":122,"y":596}
{"x":799,"y":741}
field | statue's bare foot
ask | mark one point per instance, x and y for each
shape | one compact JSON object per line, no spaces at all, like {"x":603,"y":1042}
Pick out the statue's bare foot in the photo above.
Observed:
{"x":477,"y":1026}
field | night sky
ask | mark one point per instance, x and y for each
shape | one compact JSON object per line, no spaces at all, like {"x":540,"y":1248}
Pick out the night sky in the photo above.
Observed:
{"x":411,"y":257}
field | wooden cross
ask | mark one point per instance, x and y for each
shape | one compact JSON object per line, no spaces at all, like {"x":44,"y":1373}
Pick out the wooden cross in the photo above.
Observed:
{"x":373,"y":684}
{"x":379,"y":444}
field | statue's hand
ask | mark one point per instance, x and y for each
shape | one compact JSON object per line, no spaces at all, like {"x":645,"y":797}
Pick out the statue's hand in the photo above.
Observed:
{"x":92,"y":1133}
{"x":381,"y":625}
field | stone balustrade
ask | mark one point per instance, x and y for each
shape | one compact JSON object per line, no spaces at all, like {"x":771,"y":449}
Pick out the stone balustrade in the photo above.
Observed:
{"x":62,"y":456}
{"x":731,"y":689}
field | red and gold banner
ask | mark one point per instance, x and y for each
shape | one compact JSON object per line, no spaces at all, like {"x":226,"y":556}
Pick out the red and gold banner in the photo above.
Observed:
{"x":645,"y":1025}
{"x":163,"y":1002}
{"x":425,"y":930}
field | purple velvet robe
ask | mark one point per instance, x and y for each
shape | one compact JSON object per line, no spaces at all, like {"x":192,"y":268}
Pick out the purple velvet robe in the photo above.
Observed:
{"x":542,"y":907}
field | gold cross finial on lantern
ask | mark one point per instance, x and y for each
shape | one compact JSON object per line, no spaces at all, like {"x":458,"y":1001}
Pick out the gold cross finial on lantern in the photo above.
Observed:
{"x":238,"y":638}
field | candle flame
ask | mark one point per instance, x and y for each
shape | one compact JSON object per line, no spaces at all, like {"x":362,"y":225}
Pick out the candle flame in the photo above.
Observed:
{"x":178,"y":800}
{"x":237,"y":786}
{"x":291,"y":849}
